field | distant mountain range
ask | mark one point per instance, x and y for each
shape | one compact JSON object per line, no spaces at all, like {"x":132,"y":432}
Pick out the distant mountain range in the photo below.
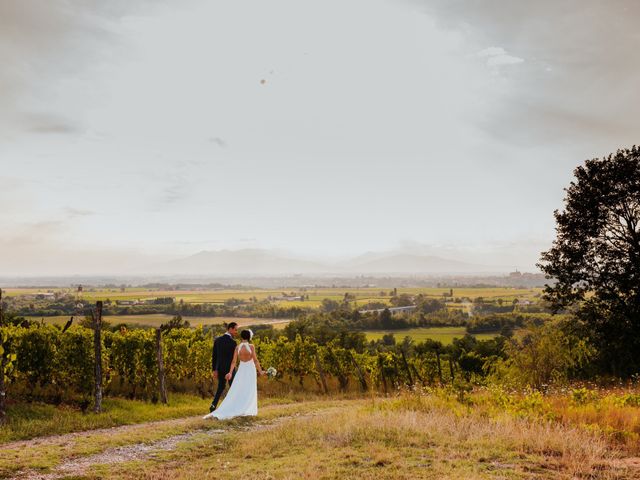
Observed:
{"x":267,"y":262}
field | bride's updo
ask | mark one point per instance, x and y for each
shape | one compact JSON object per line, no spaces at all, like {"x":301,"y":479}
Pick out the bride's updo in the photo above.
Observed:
{"x":246,"y":335}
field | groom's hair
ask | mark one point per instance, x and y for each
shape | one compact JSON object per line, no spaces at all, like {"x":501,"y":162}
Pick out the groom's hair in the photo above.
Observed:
{"x":231,"y":325}
{"x":245,"y":335}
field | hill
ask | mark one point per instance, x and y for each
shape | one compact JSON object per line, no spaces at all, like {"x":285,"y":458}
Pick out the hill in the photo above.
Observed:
{"x":267,"y":262}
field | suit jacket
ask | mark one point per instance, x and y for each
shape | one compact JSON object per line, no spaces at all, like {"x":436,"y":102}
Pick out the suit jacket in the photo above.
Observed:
{"x":223,"y":348}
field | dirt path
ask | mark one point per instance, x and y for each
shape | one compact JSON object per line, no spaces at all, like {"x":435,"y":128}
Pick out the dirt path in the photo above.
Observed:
{"x":136,"y":451}
{"x":69,"y":437}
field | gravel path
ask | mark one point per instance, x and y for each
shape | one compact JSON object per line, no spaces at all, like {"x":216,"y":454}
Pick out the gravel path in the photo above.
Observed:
{"x":69,"y":437}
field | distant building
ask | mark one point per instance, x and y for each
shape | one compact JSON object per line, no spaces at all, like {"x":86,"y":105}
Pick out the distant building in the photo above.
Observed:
{"x":287,"y":298}
{"x":45,"y":296}
{"x":409,"y":308}
{"x":125,"y":302}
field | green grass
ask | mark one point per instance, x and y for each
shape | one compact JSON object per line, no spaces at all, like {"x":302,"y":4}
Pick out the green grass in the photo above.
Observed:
{"x":28,"y":420}
{"x":441,"y":334}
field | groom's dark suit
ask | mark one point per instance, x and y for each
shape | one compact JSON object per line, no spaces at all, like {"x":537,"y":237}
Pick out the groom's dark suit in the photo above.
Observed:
{"x":223,"y":348}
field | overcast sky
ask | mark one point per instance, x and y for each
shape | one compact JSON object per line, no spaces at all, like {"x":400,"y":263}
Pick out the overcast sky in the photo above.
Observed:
{"x":134,"y":130}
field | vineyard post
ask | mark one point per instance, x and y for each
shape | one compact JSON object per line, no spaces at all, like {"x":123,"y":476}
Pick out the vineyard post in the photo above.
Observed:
{"x":321,"y":374}
{"x":382,"y":375}
{"x":451,"y":371}
{"x":417,"y":374}
{"x":3,"y":365}
{"x":343,"y":380}
{"x":406,"y":367}
{"x":161,"y":377}
{"x":395,"y":380}
{"x":361,"y":377}
{"x":97,"y":347}
{"x":439,"y":367}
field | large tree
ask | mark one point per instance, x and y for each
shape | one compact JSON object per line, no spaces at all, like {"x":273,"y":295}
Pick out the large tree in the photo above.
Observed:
{"x":595,"y":259}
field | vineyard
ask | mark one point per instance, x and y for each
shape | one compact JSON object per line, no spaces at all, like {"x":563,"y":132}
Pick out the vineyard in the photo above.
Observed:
{"x":58,"y":364}
{"x":49,"y":364}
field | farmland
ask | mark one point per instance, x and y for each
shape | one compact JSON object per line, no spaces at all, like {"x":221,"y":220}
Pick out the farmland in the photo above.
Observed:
{"x":441,"y":334}
{"x":312,"y":296}
{"x":445,"y":335}
{"x":155,"y":320}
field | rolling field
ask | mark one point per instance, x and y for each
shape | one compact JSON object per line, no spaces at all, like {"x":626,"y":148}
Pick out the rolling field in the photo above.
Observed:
{"x":155,"y":320}
{"x":316,"y":295}
{"x":441,"y":334}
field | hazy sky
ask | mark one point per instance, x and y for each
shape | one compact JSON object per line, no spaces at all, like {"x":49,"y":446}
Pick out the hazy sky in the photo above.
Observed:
{"x":134,"y":130}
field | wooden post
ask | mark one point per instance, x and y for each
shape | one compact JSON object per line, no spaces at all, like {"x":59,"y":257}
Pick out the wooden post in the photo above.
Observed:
{"x":395,"y":381}
{"x":363,"y":380}
{"x":382,"y":376}
{"x":406,"y":367}
{"x":321,"y":374}
{"x":97,"y":348}
{"x":343,"y":380}
{"x":439,"y":367}
{"x":161,"y":378}
{"x":3,"y":365}
{"x":451,"y":371}
{"x":417,"y":374}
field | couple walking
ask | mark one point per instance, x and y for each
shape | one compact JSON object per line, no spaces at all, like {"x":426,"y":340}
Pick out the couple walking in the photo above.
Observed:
{"x":242,"y":398}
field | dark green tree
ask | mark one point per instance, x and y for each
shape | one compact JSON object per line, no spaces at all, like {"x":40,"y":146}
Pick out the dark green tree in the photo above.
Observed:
{"x":386,"y":320}
{"x":595,"y":259}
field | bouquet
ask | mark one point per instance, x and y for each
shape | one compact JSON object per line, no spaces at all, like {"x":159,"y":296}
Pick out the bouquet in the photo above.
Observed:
{"x":271,"y":372}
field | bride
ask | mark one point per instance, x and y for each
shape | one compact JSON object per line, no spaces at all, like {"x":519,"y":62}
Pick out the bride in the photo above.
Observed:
{"x":242,"y":398}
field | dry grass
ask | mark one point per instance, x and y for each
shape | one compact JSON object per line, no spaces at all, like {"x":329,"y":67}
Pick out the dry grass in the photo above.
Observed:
{"x":408,"y":437}
{"x":606,"y":414}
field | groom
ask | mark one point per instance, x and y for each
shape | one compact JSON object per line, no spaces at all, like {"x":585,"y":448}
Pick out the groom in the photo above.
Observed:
{"x":223,"y":348}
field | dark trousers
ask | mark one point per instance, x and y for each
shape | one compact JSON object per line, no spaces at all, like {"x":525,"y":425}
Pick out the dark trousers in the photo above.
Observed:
{"x":222,"y":384}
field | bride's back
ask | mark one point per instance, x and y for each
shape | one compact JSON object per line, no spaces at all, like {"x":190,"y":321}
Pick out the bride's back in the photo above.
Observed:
{"x":245,"y":352}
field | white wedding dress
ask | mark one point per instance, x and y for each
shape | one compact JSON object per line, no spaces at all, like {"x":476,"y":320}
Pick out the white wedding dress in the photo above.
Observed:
{"x":242,"y":397}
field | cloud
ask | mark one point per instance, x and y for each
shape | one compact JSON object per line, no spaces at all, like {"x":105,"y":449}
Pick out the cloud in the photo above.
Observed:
{"x":175,"y":187}
{"x":497,"y":57}
{"x":578,"y":66}
{"x":49,"y":124}
{"x":218,"y":141}
{"x":77,"y":212}
{"x":46,"y":248}
{"x":19,"y":236}
{"x":174,"y":193}
{"x":43,"y":43}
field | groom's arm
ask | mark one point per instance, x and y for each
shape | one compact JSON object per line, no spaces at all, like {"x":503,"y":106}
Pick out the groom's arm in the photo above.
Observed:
{"x":214,"y":357}
{"x":229,"y":375}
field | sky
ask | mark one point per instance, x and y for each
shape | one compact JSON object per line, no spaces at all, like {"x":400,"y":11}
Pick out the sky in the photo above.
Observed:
{"x":134,"y":131}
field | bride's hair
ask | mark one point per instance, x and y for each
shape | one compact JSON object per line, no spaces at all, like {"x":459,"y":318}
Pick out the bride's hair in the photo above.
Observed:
{"x":245,"y":334}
